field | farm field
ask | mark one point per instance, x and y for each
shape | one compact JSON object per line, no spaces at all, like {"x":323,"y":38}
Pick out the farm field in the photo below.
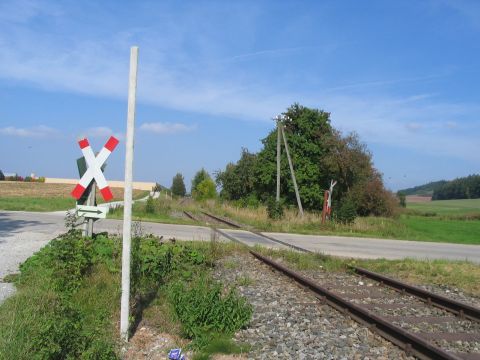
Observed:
{"x":29,"y":196}
{"x":447,"y":207}
{"x":455,"y":222}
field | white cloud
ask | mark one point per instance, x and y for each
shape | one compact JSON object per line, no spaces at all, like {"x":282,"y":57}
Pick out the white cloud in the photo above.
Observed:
{"x":21,"y":11}
{"x":384,"y":120}
{"x":166,"y":127}
{"x":172,"y":76}
{"x":35,"y":131}
{"x":414,"y":126}
{"x":451,"y":124}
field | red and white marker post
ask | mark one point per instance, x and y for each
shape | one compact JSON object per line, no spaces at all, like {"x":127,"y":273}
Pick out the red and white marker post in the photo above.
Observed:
{"x":94,"y":171}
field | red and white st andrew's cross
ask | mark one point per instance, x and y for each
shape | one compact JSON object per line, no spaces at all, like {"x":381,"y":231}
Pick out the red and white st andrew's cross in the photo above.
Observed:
{"x":94,"y":170}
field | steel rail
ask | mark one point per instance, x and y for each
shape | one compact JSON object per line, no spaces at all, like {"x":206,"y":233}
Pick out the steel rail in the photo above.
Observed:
{"x":456,"y":307}
{"x":461,"y":309}
{"x":228,"y":222}
{"x":225,"y":221}
{"x":190,"y":215}
{"x":410,"y":343}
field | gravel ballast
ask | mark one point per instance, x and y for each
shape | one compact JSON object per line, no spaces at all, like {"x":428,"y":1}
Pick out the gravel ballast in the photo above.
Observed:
{"x":290,"y":323}
{"x":386,"y":302}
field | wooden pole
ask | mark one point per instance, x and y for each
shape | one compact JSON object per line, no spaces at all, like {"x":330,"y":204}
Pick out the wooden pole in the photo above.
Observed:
{"x":325,"y":206}
{"x":299,"y":202}
{"x":90,"y":202}
{"x":278,"y":159}
{"x":127,"y":201}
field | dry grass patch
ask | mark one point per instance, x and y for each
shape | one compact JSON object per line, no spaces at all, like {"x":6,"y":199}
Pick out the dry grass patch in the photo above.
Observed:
{"x":9,"y":189}
{"x":28,"y":196}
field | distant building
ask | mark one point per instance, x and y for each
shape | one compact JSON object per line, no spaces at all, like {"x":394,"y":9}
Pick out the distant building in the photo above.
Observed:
{"x":6,"y":174}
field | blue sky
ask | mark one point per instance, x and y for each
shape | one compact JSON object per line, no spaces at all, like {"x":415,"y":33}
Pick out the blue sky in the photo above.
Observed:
{"x":403,"y":74}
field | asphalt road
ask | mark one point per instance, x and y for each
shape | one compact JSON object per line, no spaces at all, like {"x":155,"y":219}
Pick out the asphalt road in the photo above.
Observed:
{"x":24,"y":233}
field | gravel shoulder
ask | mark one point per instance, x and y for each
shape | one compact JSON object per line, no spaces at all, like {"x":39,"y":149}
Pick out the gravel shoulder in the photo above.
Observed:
{"x":19,"y":239}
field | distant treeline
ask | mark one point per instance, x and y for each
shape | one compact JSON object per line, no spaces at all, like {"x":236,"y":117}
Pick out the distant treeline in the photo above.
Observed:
{"x":461,"y":188}
{"x":424,"y":190}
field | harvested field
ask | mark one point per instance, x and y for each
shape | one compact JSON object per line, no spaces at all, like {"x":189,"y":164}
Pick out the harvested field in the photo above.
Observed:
{"x":27,"y":196}
{"x":9,"y":189}
{"x":417,"y":198}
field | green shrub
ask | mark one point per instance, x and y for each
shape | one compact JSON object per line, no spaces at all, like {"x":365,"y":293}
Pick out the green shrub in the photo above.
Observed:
{"x":251,"y":201}
{"x":200,"y":176}
{"x":150,"y":206}
{"x":66,"y":259}
{"x":346,"y":212}
{"x":205,"y":190}
{"x":204,"y":309}
{"x":47,"y":318}
{"x":402,"y":199}
{"x":275,"y":209}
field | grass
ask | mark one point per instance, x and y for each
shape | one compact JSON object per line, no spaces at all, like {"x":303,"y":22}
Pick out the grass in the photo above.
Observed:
{"x":439,"y":230}
{"x":456,"y":223}
{"x":36,"y":204}
{"x":67,"y":303}
{"x":29,"y":196}
{"x":462,"y":275}
{"x":164,"y":211}
{"x":447,"y":207}
{"x":65,"y":306}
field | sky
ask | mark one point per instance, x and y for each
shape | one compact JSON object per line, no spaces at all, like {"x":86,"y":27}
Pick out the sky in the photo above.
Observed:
{"x":404,"y":75}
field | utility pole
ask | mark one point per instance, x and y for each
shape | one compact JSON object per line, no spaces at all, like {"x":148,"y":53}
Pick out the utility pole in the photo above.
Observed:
{"x":299,"y":202}
{"x":279,"y":140}
{"x":127,"y":208}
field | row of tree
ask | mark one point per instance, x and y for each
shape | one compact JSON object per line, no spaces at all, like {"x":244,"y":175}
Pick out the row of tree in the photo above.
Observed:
{"x":460,"y":188}
{"x":320,"y":153}
{"x":20,"y":178}
{"x":203,"y":187}
{"x":424,"y":190}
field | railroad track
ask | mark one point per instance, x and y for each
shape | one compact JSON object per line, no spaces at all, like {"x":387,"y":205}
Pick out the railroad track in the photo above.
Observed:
{"x":410,"y":317}
{"x":260,"y":238}
{"x":415,"y":321}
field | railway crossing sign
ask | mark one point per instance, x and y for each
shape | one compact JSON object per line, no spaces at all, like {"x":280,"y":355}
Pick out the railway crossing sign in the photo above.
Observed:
{"x":96,"y":212}
{"x":94,"y":171}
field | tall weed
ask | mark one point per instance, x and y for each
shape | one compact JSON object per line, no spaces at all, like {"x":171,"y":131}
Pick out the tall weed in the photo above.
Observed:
{"x":204,"y":308}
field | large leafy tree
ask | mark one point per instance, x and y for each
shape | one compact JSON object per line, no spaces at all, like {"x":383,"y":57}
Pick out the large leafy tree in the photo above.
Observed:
{"x":238,"y":180}
{"x":308,"y":132}
{"x":178,"y":185}
{"x":319,"y":154}
{"x":348,"y":161}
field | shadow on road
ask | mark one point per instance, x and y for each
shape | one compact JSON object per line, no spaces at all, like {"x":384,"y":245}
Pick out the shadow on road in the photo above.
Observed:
{"x":9,"y":225}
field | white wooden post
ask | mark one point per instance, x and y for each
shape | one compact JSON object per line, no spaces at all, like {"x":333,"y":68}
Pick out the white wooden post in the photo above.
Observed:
{"x":279,"y":140}
{"x":127,"y":208}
